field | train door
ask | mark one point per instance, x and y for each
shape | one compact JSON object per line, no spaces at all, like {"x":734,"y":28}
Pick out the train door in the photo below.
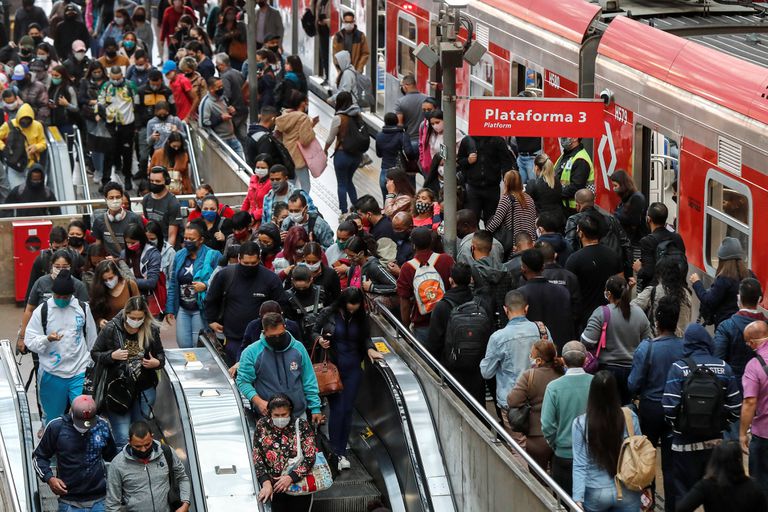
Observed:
{"x":660,"y":164}
{"x":380,"y":70}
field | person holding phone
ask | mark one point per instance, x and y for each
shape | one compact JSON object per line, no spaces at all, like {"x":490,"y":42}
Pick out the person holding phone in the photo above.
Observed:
{"x":128,"y":350}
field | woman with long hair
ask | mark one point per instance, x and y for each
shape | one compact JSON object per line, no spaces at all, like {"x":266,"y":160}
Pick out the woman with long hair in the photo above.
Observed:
{"x":597,"y":439}
{"x":167,"y":252}
{"x":110,"y":292}
{"x":217,"y":228}
{"x":720,"y":300}
{"x":230,"y":37}
{"x":631,"y":210}
{"x":426,"y":210}
{"x":516,"y":211}
{"x":400,"y":192}
{"x":545,"y":189}
{"x":62,"y":96}
{"x":292,"y":77}
{"x":322,"y":275}
{"x":271,"y":244}
{"x":671,"y":282}
{"x":725,"y":485}
{"x":129,"y":346}
{"x":366,"y":271}
{"x":199,"y":34}
{"x":345,"y":162}
{"x":258,"y":187}
{"x":143,"y":29}
{"x":174,"y":157}
{"x":530,"y":387}
{"x":142,"y":258}
{"x":626,"y":326}
{"x":343,"y":330}
{"x":293,"y":245}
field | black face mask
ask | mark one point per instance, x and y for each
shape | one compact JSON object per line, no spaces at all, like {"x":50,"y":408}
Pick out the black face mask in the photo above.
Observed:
{"x":249,"y":270}
{"x":36,"y":185}
{"x":156,"y":188}
{"x":279,"y":342}
{"x":75,"y":241}
{"x":142,"y":454}
{"x":162,"y":117}
{"x":25,"y":122}
{"x":275,"y":49}
{"x":111,"y":53}
{"x":218,"y":93}
{"x":400,"y":236}
{"x":37,"y":40}
{"x":303,"y":292}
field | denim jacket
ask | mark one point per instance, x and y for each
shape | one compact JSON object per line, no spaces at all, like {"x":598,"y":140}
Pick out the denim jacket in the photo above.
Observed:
{"x":507,"y":355}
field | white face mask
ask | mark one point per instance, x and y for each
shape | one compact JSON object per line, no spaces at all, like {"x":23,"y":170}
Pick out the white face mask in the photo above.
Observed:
{"x":134,"y":324}
{"x":79,"y":56}
{"x":296,"y":217}
{"x":115,"y":204}
{"x":441,"y":170}
{"x":314,"y":267}
{"x":281,"y":422}
{"x":258,"y":171}
{"x":349,"y":27}
{"x":111,"y":283}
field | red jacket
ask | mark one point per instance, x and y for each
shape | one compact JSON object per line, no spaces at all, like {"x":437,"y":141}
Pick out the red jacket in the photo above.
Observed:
{"x":225,"y":212}
{"x":254,"y":200}
{"x":171,"y":19}
{"x":443,"y":265}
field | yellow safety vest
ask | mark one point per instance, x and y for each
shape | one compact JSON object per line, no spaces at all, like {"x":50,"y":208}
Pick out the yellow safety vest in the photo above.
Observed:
{"x":565,"y":177}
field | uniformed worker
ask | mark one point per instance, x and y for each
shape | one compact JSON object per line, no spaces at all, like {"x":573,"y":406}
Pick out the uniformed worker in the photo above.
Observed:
{"x":575,"y":171}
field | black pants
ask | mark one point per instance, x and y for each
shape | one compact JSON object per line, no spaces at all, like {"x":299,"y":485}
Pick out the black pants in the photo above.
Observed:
{"x":658,"y":432}
{"x":122,"y":156}
{"x":324,"y":38}
{"x":483,"y":201}
{"x":688,"y":469}
{"x":622,"y":377}
{"x":282,"y":502}
{"x":562,"y":473}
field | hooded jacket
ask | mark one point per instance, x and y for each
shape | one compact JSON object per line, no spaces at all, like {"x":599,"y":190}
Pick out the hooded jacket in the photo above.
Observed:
{"x":558,"y":244}
{"x":390,"y":141}
{"x":34,"y":134}
{"x":729,"y":340}
{"x":265,"y":372}
{"x":26,"y":193}
{"x":35,"y":94}
{"x":149,"y":268}
{"x":258,"y":189}
{"x":698,"y":345}
{"x":137,"y":485}
{"x":296,"y":128}
{"x":347,"y":75}
{"x":205,"y":262}
{"x":358,"y":49}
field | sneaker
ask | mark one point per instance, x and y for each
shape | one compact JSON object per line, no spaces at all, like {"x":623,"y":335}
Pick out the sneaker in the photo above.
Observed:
{"x":344,"y":463}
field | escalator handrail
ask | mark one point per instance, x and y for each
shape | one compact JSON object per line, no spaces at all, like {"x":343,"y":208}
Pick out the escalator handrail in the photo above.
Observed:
{"x":546,"y":480}
{"x":241,"y":163}
{"x":192,"y":158}
{"x":7,"y":484}
{"x":101,"y":202}
{"x":78,"y":148}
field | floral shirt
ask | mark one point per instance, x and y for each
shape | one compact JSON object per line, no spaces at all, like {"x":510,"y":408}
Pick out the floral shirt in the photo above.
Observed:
{"x":273,"y":447}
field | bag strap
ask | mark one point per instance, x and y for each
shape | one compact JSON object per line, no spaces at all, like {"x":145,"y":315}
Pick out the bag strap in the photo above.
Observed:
{"x":111,"y":233}
{"x":648,"y":359}
{"x":169,"y":462}
{"x":603,"y":334}
{"x":542,"y":330}
{"x":628,"y":421}
{"x":692,"y":365}
{"x":298,"y":441}
{"x":433,"y":259}
{"x":762,"y":363}
{"x":316,"y":305}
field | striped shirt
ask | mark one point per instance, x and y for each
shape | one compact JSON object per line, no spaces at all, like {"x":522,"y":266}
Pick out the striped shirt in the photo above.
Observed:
{"x":512,"y":215}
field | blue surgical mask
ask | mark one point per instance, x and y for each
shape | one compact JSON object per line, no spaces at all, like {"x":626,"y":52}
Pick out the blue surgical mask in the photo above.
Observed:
{"x":209,"y":215}
{"x":190,"y":245}
{"x":61,"y":303}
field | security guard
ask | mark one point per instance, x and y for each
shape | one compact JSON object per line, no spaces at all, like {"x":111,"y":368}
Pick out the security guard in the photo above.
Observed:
{"x":575,"y":171}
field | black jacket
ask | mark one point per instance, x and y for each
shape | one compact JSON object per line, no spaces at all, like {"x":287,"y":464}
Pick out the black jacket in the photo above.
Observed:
{"x":557,"y":242}
{"x":556,"y":274}
{"x":547,"y":200}
{"x":648,"y":244}
{"x":27,"y":194}
{"x":383,"y":282}
{"x":77,"y":68}
{"x":551,"y":304}
{"x":493,"y":159}
{"x":579,"y":173}
{"x":631,"y":215}
{"x":326,"y":324}
{"x":67,"y":32}
{"x":438,"y":322}
{"x":389,"y":143}
{"x":612,"y":235}
{"x":145,"y":110}
{"x":257,"y":143}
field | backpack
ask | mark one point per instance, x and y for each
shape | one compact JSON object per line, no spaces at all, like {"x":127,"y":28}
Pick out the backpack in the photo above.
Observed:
{"x":308,"y":319}
{"x":362,"y":89}
{"x":702,"y":403}
{"x":308,"y":23}
{"x":44,"y":316}
{"x":356,"y":140}
{"x":15,"y":152}
{"x":666,"y":250}
{"x":282,"y":154}
{"x":428,"y":286}
{"x":466,"y":337}
{"x":636,"y":468}
{"x":492,"y":288}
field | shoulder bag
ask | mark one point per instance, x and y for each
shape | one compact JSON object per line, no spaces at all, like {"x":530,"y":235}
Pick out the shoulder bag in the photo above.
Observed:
{"x":315,"y":157}
{"x":327,"y":374}
{"x":592,"y":361}
{"x":319,"y":477}
{"x":520,"y":417}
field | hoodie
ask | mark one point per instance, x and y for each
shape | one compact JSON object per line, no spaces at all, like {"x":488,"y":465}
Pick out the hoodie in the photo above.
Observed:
{"x":698,"y":345}
{"x":27,"y":193}
{"x":258,"y":188}
{"x":296,"y":128}
{"x":334,"y":132}
{"x":559,"y":245}
{"x":347,"y":76}
{"x":34,"y":134}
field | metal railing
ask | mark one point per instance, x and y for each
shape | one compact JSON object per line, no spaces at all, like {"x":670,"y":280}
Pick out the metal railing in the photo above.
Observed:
{"x":8,"y":497}
{"x":100,"y":201}
{"x":192,"y":157}
{"x":240,"y":163}
{"x":77,"y":149}
{"x":564,"y":499}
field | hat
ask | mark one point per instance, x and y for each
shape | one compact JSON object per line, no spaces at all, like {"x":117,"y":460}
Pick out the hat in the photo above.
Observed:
{"x":169,"y":66}
{"x":19,"y":72}
{"x":83,"y":412}
{"x":63,"y":284}
{"x":110,"y":41}
{"x":78,"y":46}
{"x":27,"y":42}
{"x":270,"y":37}
{"x":730,"y":249}
{"x":37,"y":65}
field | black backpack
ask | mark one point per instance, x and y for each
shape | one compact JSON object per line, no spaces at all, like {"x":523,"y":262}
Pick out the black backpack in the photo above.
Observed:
{"x":283,"y":154}
{"x":15,"y":152}
{"x":466,"y":337}
{"x":308,"y":319}
{"x":667,"y":250}
{"x":491,"y":289}
{"x":174,"y":496}
{"x":356,"y":140}
{"x":308,"y":23}
{"x":702,"y":404}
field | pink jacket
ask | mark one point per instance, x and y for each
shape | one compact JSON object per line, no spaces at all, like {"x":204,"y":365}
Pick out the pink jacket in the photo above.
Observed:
{"x":425,"y":154}
{"x":254,"y":200}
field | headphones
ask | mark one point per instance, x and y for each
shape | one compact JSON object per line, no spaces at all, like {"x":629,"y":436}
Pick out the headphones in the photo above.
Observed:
{"x":166,"y":174}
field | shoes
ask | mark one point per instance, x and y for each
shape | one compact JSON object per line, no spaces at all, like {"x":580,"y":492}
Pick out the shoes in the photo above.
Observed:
{"x":344,"y":463}
{"x":366,"y":161}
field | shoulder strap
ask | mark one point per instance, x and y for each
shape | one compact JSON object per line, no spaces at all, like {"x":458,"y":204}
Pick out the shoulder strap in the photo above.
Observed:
{"x":628,"y":421}
{"x":44,"y":316}
{"x":691,"y":364}
{"x":762,"y":363}
{"x":529,"y":382}
{"x":85,"y":317}
{"x":316,"y":305}
{"x":542,"y":330}
{"x":111,"y":232}
{"x":433,"y":259}
{"x":648,"y":358}
{"x":169,"y":462}
{"x":298,"y":440}
{"x":311,"y":225}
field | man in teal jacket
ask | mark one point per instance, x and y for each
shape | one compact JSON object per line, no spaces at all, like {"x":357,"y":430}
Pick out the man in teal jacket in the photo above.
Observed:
{"x":277,"y":363}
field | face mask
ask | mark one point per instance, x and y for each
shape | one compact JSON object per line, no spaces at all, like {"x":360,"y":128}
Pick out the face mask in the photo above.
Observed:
{"x":111,"y":283}
{"x":276,"y":185}
{"x":314,"y":267}
{"x":134,"y":246}
{"x":134,"y":324}
{"x":110,"y":53}
{"x":296,"y":217}
{"x":61,"y":303}
{"x":154,"y":243}
{"x":142,"y":454}
{"x":199,"y":203}
{"x":260,"y":172}
{"x":249,"y":270}
{"x":533,"y":362}
{"x":209,"y":215}
{"x":75,"y":241}
{"x":36,"y":185}
{"x":349,"y":27}
{"x":607,"y":296}
{"x":218,"y":93}
{"x":71,"y":15}
{"x":37,"y":40}
{"x":342,"y":244}
{"x":260,"y":65}
{"x":281,"y":422}
{"x":11,"y":107}
{"x":400,"y":236}
{"x":119,"y":22}
{"x":129,"y":45}
{"x":43,"y":57}
{"x":279,"y":342}
{"x":162,"y":117}
{"x":264,"y":247}
{"x":115,"y":204}
{"x":242,"y":235}
{"x":55,"y":81}
{"x":79,"y":56}
{"x":118,"y":83}
{"x":423,"y":207}
{"x":25,"y":123}
{"x":55,"y":272}
{"x":140,"y":18}
{"x":565,"y":142}
{"x":438,"y":127}
{"x":97,"y":76}
{"x":156,"y":188}
{"x":190,"y":245}
{"x":441,"y":170}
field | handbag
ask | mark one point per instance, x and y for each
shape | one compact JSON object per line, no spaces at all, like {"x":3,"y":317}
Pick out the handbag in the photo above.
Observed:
{"x":520,"y":417}
{"x":592,"y":361}
{"x":95,"y":383}
{"x":328,"y":378}
{"x":319,"y":477}
{"x":315,"y":157}
{"x":158,"y":298}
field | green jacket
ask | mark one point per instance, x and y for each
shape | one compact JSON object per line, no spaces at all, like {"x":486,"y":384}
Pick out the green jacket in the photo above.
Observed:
{"x":564,"y":400}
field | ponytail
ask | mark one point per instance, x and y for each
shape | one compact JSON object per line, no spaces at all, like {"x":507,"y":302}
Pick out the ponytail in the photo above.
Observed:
{"x":543,"y":162}
{"x":618,"y":288}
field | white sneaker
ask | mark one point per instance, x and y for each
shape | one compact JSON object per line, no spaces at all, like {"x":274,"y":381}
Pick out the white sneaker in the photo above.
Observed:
{"x":344,"y":463}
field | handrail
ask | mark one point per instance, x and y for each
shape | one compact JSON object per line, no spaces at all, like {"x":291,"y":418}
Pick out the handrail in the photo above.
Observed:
{"x":192,"y":158}
{"x":241,"y":163}
{"x":10,"y":499}
{"x":546,"y":480}
{"x":99,"y":201}
{"x":78,"y":148}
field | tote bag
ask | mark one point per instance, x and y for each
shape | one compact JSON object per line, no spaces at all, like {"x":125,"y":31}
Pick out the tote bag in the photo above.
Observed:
{"x":318,"y":479}
{"x":315,"y":157}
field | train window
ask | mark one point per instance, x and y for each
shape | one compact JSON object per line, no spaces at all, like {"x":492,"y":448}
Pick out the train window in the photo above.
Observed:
{"x":727,"y":213}
{"x":406,"y":44}
{"x":481,"y":77}
{"x":349,"y":4}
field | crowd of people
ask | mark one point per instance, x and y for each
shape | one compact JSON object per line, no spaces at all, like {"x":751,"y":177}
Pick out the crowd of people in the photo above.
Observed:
{"x":619,"y":354}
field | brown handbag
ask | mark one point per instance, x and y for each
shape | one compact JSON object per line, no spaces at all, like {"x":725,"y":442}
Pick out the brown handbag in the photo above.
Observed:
{"x":328,"y":378}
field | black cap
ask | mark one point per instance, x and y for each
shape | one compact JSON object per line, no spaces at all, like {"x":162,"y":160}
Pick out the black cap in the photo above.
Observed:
{"x":63,"y":284}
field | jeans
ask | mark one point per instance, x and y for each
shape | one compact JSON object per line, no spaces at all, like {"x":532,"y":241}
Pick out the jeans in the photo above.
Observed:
{"x":345,"y":166}
{"x":525,"y":167}
{"x":758,"y":461}
{"x":655,"y":428}
{"x":97,"y":507}
{"x":188,"y":325}
{"x":16,"y":178}
{"x":562,"y":473}
{"x":605,"y":499}
{"x":143,"y":150}
{"x":98,"y":160}
{"x":236,"y":146}
{"x":302,"y":179}
{"x":342,"y":404}
{"x":139,"y":411}
{"x":421,"y":334}
{"x":56,"y":392}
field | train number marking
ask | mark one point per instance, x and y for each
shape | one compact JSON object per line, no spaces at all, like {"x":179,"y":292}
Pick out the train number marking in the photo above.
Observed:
{"x":553,"y":80}
{"x":621,"y":115}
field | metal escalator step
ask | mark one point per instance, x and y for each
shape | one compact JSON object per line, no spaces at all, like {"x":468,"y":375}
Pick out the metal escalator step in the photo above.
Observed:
{"x":346,"y":498}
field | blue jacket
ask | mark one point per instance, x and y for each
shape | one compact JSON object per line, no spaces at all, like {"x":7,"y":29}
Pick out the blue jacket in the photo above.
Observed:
{"x":389,"y":142}
{"x":648,"y":378}
{"x":204,"y":265}
{"x":150,"y":267}
{"x":729,"y":341}
{"x":559,"y":244}
{"x":719,"y":302}
{"x":266,"y":372}
{"x":79,"y":457}
{"x":698,"y":345}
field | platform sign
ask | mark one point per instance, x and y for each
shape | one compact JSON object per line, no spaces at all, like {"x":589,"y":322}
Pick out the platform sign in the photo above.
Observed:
{"x":539,"y":117}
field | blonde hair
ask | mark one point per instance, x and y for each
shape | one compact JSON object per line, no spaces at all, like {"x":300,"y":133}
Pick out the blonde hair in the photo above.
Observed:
{"x":139,"y":303}
{"x":543,"y":162}
{"x":513,"y":186}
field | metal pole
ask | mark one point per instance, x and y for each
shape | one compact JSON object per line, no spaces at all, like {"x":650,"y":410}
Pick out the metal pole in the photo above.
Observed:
{"x":250,"y":10}
{"x":449,"y":137}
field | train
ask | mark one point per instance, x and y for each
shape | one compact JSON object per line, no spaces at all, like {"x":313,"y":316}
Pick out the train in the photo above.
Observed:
{"x":688,"y":121}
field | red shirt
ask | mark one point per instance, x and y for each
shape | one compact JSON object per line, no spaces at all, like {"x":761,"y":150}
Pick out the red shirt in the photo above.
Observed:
{"x":443,"y":265}
{"x":171,"y":19}
{"x":181,"y":88}
{"x":224,"y":212}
